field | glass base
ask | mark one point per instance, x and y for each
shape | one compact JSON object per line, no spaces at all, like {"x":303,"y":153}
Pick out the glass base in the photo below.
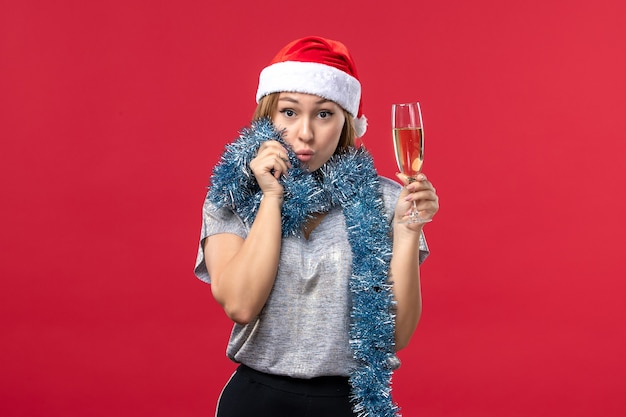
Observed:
{"x":413,"y":218}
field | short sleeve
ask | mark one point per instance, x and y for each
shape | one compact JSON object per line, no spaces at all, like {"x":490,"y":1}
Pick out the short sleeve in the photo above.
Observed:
{"x":391,"y":191}
{"x":215,"y":221}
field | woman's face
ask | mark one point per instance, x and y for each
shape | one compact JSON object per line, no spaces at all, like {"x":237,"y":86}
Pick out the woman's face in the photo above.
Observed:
{"x":312,"y":126}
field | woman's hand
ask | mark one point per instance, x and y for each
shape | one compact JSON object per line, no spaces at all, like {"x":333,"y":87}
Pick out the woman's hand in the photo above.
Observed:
{"x":422,"y":193}
{"x":268,"y":166}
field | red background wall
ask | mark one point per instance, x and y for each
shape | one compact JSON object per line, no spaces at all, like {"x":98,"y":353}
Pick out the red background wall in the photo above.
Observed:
{"x":113,"y":113}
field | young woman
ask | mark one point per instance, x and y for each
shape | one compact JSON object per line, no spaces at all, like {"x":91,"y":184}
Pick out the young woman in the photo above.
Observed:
{"x":304,"y":248}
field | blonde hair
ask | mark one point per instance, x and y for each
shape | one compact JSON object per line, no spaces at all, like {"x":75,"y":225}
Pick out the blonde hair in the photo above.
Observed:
{"x":269,"y":103}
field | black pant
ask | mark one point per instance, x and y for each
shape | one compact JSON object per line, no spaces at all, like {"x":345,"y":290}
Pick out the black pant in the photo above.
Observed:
{"x":252,"y":393}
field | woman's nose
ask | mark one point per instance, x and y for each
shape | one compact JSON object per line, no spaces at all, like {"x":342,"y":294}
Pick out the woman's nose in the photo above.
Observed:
{"x":305,"y":130}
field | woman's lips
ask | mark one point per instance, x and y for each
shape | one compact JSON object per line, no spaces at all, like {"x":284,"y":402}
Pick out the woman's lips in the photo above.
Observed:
{"x":304,"y":156}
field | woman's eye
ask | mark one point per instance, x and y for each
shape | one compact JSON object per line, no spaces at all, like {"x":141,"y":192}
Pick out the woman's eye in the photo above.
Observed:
{"x":324,"y":114}
{"x":288,"y":112}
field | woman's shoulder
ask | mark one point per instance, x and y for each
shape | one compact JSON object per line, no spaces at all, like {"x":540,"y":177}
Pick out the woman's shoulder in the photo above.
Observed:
{"x":390,"y":191}
{"x":222,"y":217}
{"x":222,"y":213}
{"x":389,"y":188}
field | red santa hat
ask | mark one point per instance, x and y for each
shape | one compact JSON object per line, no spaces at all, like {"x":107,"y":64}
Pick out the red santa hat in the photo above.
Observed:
{"x":319,"y":66}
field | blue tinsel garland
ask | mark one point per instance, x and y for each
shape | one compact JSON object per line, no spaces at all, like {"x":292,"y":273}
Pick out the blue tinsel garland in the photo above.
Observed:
{"x":351,"y":182}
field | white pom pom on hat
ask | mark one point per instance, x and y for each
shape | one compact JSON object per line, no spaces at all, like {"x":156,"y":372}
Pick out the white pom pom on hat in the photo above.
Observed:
{"x":319,"y":66}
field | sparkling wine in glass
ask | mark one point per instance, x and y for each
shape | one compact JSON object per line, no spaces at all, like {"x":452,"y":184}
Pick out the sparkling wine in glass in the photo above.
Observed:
{"x":408,"y":143}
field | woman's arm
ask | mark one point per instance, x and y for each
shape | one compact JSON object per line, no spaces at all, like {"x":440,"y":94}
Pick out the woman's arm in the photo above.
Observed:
{"x":404,"y":267}
{"x":243,"y":271}
{"x":405,"y":275}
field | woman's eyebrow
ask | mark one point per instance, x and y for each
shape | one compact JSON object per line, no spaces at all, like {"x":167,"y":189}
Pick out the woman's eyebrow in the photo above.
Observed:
{"x":294,"y":100}
{"x":289,"y":99}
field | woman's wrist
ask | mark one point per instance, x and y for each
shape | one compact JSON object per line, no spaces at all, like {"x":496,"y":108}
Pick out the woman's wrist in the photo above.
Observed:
{"x":269,"y":199}
{"x":407,"y":230}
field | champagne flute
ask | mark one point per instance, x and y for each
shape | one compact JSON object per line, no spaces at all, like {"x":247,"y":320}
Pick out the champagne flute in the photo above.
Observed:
{"x":408,"y":143}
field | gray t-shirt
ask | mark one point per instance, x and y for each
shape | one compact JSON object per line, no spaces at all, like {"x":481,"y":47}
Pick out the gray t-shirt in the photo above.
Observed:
{"x":303,"y":329}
